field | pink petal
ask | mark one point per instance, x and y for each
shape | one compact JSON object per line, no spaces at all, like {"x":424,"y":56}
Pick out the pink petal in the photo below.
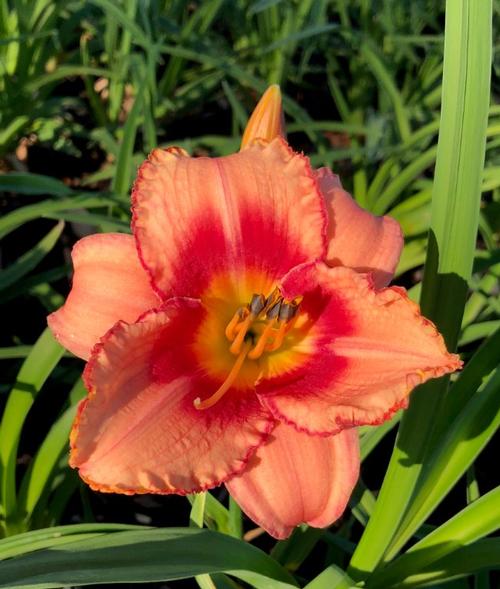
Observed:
{"x":138,"y":430}
{"x":258,"y":211}
{"x":365,"y":351}
{"x":296,"y":478}
{"x":358,"y":239}
{"x":109,"y":284}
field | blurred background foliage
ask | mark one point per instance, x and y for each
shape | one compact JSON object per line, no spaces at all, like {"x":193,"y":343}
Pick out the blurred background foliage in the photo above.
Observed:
{"x":87,"y":89}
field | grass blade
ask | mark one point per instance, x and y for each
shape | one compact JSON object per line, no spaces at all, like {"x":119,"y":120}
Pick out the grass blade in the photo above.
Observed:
{"x":469,"y":433}
{"x":124,"y":167}
{"x":480,"y":518}
{"x":22,"y":215}
{"x":331,"y":578}
{"x":31,"y":258}
{"x":47,"y":538}
{"x":38,"y":477}
{"x":482,"y":555}
{"x":144,"y":556}
{"x":454,"y":223}
{"x":25,"y":183}
{"x":35,"y":370}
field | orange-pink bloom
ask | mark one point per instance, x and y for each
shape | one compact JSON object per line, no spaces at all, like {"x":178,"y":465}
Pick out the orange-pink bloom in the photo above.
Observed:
{"x":242,"y":333}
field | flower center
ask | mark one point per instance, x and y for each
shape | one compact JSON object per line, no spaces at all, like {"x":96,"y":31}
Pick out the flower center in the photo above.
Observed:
{"x":260,"y":326}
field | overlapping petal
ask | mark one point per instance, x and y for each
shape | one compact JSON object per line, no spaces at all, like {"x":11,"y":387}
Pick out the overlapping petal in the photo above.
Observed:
{"x":296,"y":478}
{"x":371,"y":349}
{"x":109,"y":284}
{"x":138,"y":431}
{"x":255,"y":211}
{"x":357,"y":238}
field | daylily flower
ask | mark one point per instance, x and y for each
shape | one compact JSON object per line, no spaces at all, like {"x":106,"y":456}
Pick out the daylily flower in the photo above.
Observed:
{"x":242,"y":333}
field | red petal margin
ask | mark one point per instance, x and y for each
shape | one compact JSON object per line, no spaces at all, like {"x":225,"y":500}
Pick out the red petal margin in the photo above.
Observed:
{"x":109,"y":284}
{"x":138,"y":431}
{"x":368,"y":350}
{"x":258,"y":211}
{"x":357,"y":238}
{"x":296,"y":478}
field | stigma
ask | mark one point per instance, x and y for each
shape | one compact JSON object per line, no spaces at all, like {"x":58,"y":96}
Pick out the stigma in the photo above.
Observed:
{"x":259,"y":327}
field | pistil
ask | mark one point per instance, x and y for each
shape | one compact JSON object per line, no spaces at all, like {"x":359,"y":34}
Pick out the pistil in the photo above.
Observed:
{"x":227,"y":384}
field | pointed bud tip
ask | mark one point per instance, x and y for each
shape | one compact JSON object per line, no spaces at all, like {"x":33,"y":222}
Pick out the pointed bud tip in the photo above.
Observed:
{"x":267,"y":119}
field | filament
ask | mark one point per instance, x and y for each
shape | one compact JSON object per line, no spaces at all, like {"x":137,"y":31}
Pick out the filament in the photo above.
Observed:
{"x":260,"y":346}
{"x":242,"y":328}
{"x":227,"y":384}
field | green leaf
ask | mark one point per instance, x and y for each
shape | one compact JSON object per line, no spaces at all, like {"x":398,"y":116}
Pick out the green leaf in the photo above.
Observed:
{"x":472,"y":333}
{"x":65,"y":71}
{"x":235,"y":519}
{"x":25,"y":183}
{"x":375,"y":434}
{"x":292,"y":552}
{"x":483,"y":555}
{"x":22,"y":544}
{"x":362,"y":502}
{"x":413,"y":256}
{"x":35,"y":370}
{"x":119,"y":15}
{"x":31,"y":258}
{"x":386,"y":81}
{"x":482,"y":363}
{"x":196,"y":521}
{"x":464,"y":440}
{"x":480,"y":518}
{"x":396,"y":187}
{"x":454,"y":222}
{"x":198,"y":509}
{"x":106,"y":223}
{"x":38,"y":477}
{"x":215,"y":515}
{"x":22,"y":215}
{"x":14,"y":352}
{"x":261,"y":5}
{"x":143,"y":556}
{"x":331,"y":578}
{"x":124,"y":168}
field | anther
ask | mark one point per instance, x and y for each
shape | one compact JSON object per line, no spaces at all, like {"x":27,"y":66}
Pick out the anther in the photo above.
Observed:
{"x":274,"y":311}
{"x":257,"y":304}
{"x":287,"y":311}
{"x":272,"y":299}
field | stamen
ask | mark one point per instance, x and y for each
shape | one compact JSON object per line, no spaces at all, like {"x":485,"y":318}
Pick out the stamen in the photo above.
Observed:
{"x":279,"y":314}
{"x":288,"y":311}
{"x":242,"y":329}
{"x":257,"y":304}
{"x":231,"y":328}
{"x":260,"y":346}
{"x":227,"y":384}
{"x":272,"y":299}
{"x":278,"y":340}
{"x":274,"y":311}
